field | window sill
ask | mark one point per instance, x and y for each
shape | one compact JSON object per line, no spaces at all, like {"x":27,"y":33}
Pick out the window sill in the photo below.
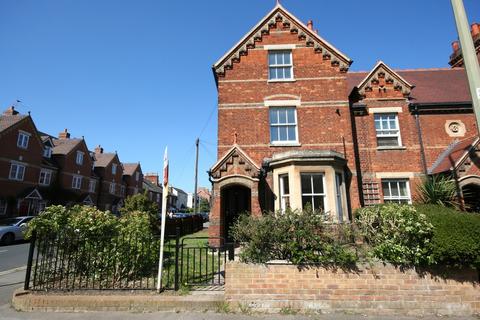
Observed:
{"x":285,"y":144}
{"x":280,"y":80}
{"x":391,"y":148}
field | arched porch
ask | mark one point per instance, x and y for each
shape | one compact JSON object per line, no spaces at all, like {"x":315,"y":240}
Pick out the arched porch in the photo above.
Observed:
{"x":470,"y":186}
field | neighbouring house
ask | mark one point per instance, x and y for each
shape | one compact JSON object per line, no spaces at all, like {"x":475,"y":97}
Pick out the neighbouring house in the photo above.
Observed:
{"x":132,"y":178}
{"x":296,"y":128}
{"x":190,"y":200}
{"x":22,"y":165}
{"x":204,"y":193}
{"x":153,"y":188}
{"x":178,"y":199}
{"x":108,"y":168}
{"x":75,"y":182}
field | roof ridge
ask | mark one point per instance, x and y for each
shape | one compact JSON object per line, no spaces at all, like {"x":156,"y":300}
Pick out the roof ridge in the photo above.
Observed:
{"x":428,"y":69}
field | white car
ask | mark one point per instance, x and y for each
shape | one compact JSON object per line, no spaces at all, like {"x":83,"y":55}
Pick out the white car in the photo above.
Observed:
{"x":12,"y":229}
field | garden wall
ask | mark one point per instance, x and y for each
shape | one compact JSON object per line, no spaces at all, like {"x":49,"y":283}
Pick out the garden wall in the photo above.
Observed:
{"x":368,"y":290}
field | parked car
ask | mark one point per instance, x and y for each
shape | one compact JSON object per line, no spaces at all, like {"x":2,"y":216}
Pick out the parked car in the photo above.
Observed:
{"x":205,"y":216}
{"x":12,"y":229}
{"x":180,"y":215}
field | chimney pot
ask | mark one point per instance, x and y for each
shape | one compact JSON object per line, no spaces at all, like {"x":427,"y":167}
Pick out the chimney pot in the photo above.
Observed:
{"x":10,"y":111}
{"x":475,"y":29}
{"x":64,"y":134}
{"x":99,"y":149}
{"x":310,"y":24}
{"x":455,"y":46}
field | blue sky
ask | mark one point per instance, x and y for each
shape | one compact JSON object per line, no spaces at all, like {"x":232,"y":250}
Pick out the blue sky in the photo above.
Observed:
{"x":135,"y":76}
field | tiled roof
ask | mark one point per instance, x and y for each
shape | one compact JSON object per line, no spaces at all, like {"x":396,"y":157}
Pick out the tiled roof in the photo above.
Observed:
{"x":450,"y":157}
{"x":151,"y":187}
{"x":64,"y":146}
{"x":103,"y":159}
{"x":6,"y":121}
{"x":431,"y":85}
{"x":129,"y":168}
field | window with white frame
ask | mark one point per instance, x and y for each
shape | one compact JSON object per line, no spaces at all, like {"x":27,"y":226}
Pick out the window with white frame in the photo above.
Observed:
{"x":280,"y":65}
{"x":3,"y":207}
{"x":114,"y":168}
{"x":45,"y":177}
{"x":388,"y":130}
{"x":284,"y":192}
{"x":122,"y":190}
{"x":17,"y":172}
{"x":313,"y":191}
{"x":396,"y":190}
{"x":76,"y":182}
{"x":283,"y":125}
{"x":91,"y":186}
{"x":22,"y":140}
{"x":47,"y":152}
{"x":112,"y":187}
{"x":79,"y":159}
{"x":137,"y":176}
{"x":158,"y":197}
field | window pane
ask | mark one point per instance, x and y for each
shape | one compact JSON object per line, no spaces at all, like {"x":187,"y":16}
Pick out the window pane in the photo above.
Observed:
{"x":279,"y":57}
{"x":386,"y":190}
{"x":286,"y":189}
{"x":306,"y":183}
{"x":393,"y":123}
{"x":280,"y":73}
{"x":317,"y":183}
{"x":282,"y":116}
{"x":286,"y":57}
{"x":377,"y":124}
{"x":387,"y":141}
{"x":394,"y":188}
{"x":306,"y":200}
{"x":287,"y":73}
{"x":291,"y":115}
{"x":273,"y":116}
{"x":274,"y":133}
{"x":283,"y":133}
{"x":384,"y":123}
{"x":273,"y":73}
{"x":271,"y":58}
{"x":318,"y":203}
{"x":403,"y":188}
{"x":291,"y":133}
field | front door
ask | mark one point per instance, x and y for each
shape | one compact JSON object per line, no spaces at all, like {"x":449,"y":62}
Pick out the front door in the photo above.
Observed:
{"x":235,"y":201}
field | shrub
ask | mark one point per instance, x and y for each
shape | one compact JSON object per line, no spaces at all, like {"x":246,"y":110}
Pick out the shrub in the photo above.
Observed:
{"x":397,"y":233}
{"x":456,"y":236}
{"x":301,"y":237}
{"x":438,"y":190}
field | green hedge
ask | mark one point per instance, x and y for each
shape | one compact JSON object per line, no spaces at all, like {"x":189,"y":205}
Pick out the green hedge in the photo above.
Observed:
{"x":456,"y":236}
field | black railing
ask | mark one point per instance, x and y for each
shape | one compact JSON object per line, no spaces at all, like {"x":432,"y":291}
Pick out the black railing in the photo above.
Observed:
{"x":66,"y":261}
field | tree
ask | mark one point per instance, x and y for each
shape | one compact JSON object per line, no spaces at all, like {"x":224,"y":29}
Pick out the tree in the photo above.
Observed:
{"x":140,"y":202}
{"x":204,"y":205}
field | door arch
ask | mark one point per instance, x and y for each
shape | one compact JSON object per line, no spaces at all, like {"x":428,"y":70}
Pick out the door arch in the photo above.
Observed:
{"x":235,"y":200}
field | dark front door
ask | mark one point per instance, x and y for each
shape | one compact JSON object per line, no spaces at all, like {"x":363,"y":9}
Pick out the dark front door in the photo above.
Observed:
{"x":235,"y":201}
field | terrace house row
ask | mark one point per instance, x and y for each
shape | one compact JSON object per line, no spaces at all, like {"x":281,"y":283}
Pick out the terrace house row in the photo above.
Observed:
{"x":297,"y":128}
{"x":38,"y":169}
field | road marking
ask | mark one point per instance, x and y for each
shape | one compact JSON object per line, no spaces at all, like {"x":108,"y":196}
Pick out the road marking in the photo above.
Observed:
{"x":13,"y":270}
{"x":1,"y":251}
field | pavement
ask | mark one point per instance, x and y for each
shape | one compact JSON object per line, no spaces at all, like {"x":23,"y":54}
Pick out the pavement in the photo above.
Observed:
{"x":13,"y":260}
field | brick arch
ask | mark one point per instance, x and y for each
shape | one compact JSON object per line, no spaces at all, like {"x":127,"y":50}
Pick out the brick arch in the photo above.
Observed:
{"x":468,"y":180}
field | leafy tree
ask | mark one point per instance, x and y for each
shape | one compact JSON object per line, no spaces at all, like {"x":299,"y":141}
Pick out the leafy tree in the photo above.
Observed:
{"x":140,"y":202}
{"x":204,"y":206}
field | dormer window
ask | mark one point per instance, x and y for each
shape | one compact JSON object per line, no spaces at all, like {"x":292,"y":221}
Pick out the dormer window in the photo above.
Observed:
{"x":79,"y":159}
{"x":47,"y":152}
{"x":114,"y":168}
{"x":280,"y":66}
{"x":22,"y":141}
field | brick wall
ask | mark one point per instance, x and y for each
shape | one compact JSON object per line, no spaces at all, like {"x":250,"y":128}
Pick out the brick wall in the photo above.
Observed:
{"x":378,"y":290}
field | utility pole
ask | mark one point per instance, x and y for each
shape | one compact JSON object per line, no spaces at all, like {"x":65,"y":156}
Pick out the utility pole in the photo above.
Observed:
{"x":469,"y":55}
{"x":195,"y":202}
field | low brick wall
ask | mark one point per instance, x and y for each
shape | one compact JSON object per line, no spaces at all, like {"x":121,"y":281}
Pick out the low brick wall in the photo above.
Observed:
{"x":378,"y":289}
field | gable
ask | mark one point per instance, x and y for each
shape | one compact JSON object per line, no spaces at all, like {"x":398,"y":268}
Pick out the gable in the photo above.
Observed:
{"x":383,"y":78}
{"x":235,"y":162}
{"x":279,"y":15}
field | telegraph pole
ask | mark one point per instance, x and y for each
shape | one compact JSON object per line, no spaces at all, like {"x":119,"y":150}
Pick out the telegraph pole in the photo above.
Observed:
{"x":469,"y":55}
{"x":195,"y":202}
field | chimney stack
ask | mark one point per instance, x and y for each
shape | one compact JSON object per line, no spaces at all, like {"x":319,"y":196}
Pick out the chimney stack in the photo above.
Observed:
{"x":98,"y":149}
{"x":10,"y":111}
{"x":152,"y":177}
{"x":475,"y":30}
{"x":310,"y":25}
{"x":455,"y":46}
{"x":64,"y":135}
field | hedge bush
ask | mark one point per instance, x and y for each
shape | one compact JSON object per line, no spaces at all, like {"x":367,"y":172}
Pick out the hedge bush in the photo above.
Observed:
{"x":456,"y":235}
{"x":397,"y":234}
{"x":295,"y":236}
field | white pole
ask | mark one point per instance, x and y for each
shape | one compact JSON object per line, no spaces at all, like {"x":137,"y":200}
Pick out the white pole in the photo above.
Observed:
{"x":162,"y":236}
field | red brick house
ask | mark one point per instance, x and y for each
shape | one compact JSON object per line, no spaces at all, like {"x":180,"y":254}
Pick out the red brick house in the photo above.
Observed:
{"x":108,"y":168}
{"x":132,"y":178}
{"x":295,"y":127}
{"x":75,"y":182}
{"x":153,"y":189}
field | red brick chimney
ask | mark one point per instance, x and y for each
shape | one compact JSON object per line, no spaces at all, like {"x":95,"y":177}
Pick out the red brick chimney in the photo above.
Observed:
{"x":10,"y":111}
{"x":64,"y":134}
{"x":152,"y":177}
{"x":98,"y":149}
{"x":310,"y":24}
{"x":455,"y":46}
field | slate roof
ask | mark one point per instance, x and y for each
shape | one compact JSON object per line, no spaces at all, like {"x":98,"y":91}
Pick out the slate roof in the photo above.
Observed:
{"x":103,"y":159}
{"x":451,"y":156}
{"x":151,"y":186}
{"x":430,"y":85}
{"x":6,"y":121}
{"x":64,"y":146}
{"x":129,"y":168}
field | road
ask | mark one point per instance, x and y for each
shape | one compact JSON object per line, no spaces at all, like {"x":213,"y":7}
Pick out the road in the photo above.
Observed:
{"x":13,"y":256}
{"x":13,"y":260}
